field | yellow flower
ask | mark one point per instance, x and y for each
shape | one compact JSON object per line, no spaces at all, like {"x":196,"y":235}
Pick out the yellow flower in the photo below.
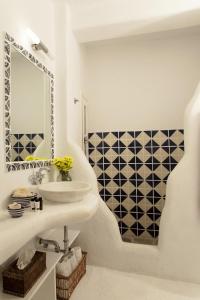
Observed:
{"x":31,"y":157}
{"x":63,"y":164}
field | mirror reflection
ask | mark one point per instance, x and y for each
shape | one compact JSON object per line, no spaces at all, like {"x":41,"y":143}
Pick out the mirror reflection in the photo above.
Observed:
{"x":30,"y":117}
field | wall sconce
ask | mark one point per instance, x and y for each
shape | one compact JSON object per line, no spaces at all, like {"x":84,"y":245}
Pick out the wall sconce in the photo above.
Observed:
{"x":36,"y":43}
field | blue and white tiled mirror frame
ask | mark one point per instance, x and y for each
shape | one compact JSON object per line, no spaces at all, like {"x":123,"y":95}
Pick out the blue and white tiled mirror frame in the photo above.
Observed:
{"x":22,"y":165}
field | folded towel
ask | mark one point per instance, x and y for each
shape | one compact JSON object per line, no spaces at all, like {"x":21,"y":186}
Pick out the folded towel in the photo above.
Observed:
{"x":78,"y":253}
{"x":64,"y":268}
{"x":73,"y":261}
{"x":22,"y":192}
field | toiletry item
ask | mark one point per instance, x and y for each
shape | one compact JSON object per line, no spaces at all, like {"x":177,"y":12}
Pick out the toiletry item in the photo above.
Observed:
{"x":16,"y":213}
{"x":14,"y":205}
{"x":78,"y":253}
{"x":33,"y":203}
{"x":25,"y":257}
{"x":24,"y":201}
{"x":15,"y":210}
{"x":22,"y":192}
{"x":41,"y":202}
{"x":37,"y":204}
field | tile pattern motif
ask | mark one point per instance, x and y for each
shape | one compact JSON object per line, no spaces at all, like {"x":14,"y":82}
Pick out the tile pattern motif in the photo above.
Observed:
{"x":24,"y":145}
{"x":14,"y":166}
{"x":132,"y":168}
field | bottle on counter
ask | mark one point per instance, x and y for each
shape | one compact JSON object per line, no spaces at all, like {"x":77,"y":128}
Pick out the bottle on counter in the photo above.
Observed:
{"x":41,"y":202}
{"x":37,"y":204}
{"x":33,"y":203}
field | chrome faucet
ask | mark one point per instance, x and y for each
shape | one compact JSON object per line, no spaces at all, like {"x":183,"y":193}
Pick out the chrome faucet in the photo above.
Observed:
{"x":36,"y":178}
{"x":45,"y":243}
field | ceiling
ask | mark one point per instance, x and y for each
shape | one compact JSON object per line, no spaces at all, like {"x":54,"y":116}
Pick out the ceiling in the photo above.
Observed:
{"x":94,"y":20}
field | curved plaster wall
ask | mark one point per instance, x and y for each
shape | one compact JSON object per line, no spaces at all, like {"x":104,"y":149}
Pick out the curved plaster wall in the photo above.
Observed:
{"x":177,"y":253}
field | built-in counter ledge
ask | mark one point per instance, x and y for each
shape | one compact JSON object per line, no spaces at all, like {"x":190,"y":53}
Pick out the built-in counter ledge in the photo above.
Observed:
{"x":17,"y":232}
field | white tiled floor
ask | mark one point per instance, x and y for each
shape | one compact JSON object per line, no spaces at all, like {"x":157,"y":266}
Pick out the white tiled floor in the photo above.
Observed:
{"x":105,"y":284}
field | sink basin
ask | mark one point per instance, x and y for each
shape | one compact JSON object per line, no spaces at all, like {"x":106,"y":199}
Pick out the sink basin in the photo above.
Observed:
{"x":64,"y":191}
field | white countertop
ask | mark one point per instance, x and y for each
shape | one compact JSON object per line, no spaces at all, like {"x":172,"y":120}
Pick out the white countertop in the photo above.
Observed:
{"x":14,"y":233}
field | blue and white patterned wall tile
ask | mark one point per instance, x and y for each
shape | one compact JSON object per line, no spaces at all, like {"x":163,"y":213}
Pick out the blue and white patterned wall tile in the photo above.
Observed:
{"x":132,"y":168}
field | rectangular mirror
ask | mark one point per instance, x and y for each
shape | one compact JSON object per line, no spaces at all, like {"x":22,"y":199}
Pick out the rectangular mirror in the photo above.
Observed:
{"x":29,"y":128}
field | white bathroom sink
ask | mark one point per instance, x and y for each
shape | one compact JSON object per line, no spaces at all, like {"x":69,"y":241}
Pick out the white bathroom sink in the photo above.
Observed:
{"x":64,"y":191}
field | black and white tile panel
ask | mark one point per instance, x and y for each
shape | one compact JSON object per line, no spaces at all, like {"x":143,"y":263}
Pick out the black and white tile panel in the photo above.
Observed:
{"x":23,"y":145}
{"x":132,"y":168}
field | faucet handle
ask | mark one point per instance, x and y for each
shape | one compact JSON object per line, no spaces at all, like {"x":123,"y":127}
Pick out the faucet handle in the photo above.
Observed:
{"x":33,"y":179}
{"x":36,"y":177}
{"x":40,"y":174}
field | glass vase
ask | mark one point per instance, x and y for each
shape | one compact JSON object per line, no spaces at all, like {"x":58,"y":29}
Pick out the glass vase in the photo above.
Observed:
{"x":65,"y":176}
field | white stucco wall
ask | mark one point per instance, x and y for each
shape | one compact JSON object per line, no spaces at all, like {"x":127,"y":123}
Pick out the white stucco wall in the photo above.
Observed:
{"x":48,"y":19}
{"x":15,"y":17}
{"x":74,"y":122}
{"x":140,"y":84}
{"x":177,"y":254}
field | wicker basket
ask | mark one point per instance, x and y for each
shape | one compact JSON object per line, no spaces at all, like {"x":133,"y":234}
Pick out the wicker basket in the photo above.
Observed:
{"x":19,"y":282}
{"x":66,"y":285}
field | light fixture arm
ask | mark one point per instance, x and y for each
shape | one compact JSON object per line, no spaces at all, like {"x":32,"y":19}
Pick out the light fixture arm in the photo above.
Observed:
{"x":40,"y":46}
